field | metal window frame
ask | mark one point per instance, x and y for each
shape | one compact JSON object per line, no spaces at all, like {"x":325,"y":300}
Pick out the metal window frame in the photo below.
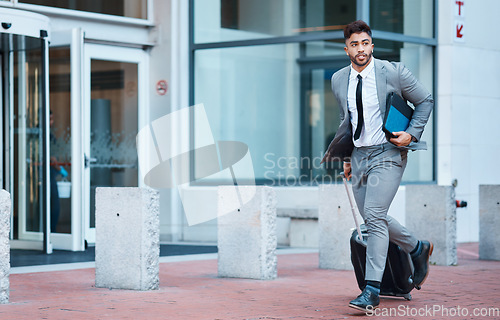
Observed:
{"x":45,"y":107}
{"x":331,"y":35}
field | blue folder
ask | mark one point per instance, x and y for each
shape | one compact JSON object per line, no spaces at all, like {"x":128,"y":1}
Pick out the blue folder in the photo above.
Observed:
{"x":397,"y":115}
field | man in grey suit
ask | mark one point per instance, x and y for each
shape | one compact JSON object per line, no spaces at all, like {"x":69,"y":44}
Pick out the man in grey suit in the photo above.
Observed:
{"x":377,"y":162}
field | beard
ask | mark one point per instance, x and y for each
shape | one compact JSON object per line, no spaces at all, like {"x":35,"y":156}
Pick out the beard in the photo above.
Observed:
{"x":368,"y":59}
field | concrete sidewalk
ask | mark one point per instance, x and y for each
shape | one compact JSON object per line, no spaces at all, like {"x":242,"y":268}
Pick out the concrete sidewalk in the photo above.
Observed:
{"x":192,"y":290}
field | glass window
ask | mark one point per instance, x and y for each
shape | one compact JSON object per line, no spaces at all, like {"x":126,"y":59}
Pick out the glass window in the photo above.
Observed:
{"x":323,"y":118}
{"x":284,"y":109}
{"x":251,"y":94}
{"x":123,"y":8}
{"x":409,"y":17}
{"x":420,"y":60}
{"x":329,"y":48}
{"x":277,"y":98}
{"x":229,"y":20}
{"x":321,"y":108}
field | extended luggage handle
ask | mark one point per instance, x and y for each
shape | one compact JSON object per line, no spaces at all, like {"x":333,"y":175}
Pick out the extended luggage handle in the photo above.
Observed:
{"x":360,"y":237}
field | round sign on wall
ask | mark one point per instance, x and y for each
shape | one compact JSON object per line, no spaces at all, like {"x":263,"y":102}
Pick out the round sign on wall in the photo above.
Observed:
{"x":161,"y":87}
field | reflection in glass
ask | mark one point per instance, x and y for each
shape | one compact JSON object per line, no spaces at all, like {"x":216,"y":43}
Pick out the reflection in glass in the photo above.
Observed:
{"x":409,"y":17}
{"x":419,"y":59}
{"x":282,"y":107}
{"x":251,"y":95}
{"x":114,"y":126}
{"x":60,"y":139}
{"x":228,"y":20}
{"x":324,"y":119}
{"x":27,"y":137}
{"x":330,"y":48}
{"x":319,"y":101}
{"x":123,"y":8}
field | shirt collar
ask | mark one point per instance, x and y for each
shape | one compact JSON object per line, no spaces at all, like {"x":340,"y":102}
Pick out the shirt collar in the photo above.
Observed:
{"x":366,"y":71}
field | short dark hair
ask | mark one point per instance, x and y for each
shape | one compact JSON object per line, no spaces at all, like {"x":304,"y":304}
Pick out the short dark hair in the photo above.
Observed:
{"x":356,"y":27}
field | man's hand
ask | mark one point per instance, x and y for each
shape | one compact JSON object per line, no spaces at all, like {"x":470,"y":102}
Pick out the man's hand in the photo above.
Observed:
{"x":402,"y":138}
{"x":347,"y":170}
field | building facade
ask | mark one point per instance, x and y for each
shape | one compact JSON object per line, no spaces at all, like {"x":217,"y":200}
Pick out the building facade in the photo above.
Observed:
{"x":261,"y":69}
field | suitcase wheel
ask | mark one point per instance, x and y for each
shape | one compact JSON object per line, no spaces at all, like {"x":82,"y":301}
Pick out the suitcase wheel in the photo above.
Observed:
{"x":407,"y":296}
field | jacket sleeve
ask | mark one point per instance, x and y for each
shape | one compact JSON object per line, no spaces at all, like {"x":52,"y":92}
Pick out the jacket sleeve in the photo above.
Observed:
{"x":341,"y":146}
{"x":413,"y":91}
{"x":335,"y":86}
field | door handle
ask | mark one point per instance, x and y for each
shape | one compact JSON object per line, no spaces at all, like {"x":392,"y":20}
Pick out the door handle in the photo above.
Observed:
{"x":87,"y":161}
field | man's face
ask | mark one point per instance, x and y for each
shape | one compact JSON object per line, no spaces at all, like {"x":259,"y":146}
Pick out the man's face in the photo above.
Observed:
{"x":359,"y":48}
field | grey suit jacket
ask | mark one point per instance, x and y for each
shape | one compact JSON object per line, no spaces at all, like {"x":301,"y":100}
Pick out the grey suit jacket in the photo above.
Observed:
{"x":390,"y":77}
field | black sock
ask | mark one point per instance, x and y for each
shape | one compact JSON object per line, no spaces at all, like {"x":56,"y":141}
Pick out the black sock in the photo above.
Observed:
{"x":418,"y":249}
{"x":375,"y":284}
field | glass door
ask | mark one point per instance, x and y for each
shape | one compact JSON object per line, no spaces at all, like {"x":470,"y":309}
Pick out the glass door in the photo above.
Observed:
{"x":66,"y":147}
{"x":115,"y":85}
{"x":25,"y":139}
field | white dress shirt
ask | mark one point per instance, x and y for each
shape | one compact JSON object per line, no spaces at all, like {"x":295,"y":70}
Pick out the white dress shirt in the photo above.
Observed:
{"x":372,"y":133}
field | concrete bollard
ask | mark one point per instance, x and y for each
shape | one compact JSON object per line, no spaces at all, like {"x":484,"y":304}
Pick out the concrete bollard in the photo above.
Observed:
{"x":127,"y":238}
{"x":335,"y":227}
{"x":5,"y":206}
{"x":247,"y":238}
{"x":431,"y":215}
{"x":489,"y":222}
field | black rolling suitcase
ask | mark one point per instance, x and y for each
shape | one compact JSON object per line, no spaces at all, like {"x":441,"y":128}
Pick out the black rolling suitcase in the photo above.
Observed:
{"x":398,"y":274}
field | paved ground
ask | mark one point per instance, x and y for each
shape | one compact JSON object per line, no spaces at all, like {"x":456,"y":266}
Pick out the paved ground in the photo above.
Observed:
{"x":192,"y":290}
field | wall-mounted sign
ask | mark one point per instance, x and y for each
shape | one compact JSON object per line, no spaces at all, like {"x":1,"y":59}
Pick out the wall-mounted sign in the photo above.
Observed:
{"x":459,"y":27}
{"x":161,"y":87}
{"x":459,"y":8}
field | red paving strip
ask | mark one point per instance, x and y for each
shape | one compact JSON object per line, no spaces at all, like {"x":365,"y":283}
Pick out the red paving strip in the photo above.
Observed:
{"x":192,"y":290}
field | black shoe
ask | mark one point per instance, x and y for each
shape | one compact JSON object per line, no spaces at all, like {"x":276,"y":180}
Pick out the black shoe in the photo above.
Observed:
{"x":421,"y":264}
{"x":366,"y":301}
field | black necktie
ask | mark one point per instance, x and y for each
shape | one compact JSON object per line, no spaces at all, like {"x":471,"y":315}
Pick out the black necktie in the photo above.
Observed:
{"x":359,"y":106}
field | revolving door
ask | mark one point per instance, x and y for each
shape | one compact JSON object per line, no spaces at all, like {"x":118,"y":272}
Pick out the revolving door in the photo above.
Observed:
{"x":24,"y":127}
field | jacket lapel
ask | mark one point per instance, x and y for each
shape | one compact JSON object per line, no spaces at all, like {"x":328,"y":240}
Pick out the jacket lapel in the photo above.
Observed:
{"x":381,"y":78}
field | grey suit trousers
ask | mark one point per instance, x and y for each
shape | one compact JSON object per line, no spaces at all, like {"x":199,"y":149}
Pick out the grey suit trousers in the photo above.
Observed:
{"x":376,"y":175}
